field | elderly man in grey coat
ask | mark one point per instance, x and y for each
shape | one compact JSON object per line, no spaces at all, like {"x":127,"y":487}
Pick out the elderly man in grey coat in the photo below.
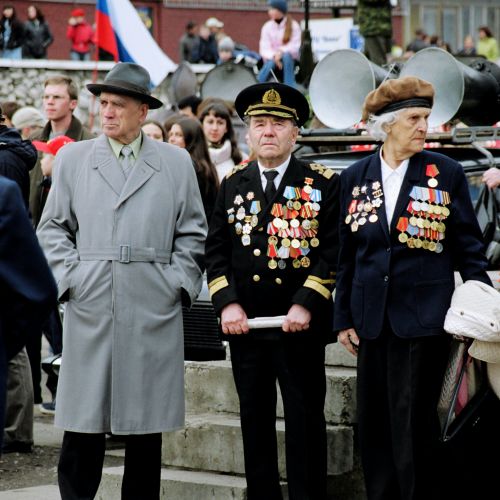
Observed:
{"x":123,"y":230}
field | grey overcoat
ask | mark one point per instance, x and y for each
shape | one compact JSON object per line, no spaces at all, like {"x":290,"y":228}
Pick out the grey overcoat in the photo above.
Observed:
{"x":124,"y":253}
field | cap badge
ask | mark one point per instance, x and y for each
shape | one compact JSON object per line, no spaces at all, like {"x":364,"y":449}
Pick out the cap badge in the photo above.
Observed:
{"x":271,"y":97}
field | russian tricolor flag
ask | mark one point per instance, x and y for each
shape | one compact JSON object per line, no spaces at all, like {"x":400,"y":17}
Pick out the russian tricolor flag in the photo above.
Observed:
{"x":121,"y":32}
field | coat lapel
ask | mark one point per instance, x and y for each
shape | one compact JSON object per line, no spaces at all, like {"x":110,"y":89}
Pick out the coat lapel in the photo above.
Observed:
{"x":107,"y":165}
{"x":413,"y":174}
{"x":145,"y":166}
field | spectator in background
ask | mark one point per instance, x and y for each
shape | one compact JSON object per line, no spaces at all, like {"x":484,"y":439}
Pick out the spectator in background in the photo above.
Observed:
{"x":469,"y":47}
{"x":154,"y":130}
{"x":375,"y":24}
{"x":279,"y":44}
{"x":11,"y":34}
{"x":81,"y":35}
{"x":225,"y":48}
{"x":187,"y":42}
{"x":28,"y":121}
{"x":487,"y":45}
{"x":219,"y":133}
{"x":60,"y":98}
{"x":187,"y":133}
{"x":216,"y":28}
{"x":418,"y":43}
{"x":9,"y":108}
{"x":37,"y":35}
{"x":205,"y":48}
{"x":189,"y":106}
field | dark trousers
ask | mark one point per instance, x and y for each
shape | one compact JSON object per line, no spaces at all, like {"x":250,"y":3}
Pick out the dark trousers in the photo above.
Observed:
{"x":399,"y":382}
{"x":82,"y":458}
{"x":299,"y":366}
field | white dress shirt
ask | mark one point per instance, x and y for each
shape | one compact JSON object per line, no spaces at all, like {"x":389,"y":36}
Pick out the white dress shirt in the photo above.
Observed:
{"x":281,"y":169}
{"x":392,"y":179}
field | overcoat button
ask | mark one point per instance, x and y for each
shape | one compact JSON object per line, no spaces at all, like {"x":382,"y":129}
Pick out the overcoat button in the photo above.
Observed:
{"x":256,"y":277}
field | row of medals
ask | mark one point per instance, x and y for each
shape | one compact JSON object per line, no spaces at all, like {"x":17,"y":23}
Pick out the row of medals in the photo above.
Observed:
{"x":425,"y":228}
{"x":293,"y":228}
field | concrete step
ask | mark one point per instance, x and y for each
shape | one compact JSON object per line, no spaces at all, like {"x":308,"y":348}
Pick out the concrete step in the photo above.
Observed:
{"x":182,"y":485}
{"x":337,"y":355}
{"x":46,"y":492}
{"x":212,"y":442}
{"x":210,"y":388}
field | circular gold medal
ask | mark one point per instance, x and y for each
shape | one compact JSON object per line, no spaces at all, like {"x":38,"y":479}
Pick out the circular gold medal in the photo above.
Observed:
{"x":272,"y":264}
{"x":427,"y":223}
{"x":368,"y":206}
{"x":411,"y":243}
{"x":434,"y":225}
{"x":425,"y":245}
{"x":430,"y":210}
{"x":418,"y":243}
{"x":432,"y":182}
{"x":296,"y":263}
{"x":295,"y":243}
{"x":314,"y":224}
{"x":438,"y":209}
{"x":445,"y":211}
{"x":297,"y":205}
{"x":420,"y":223}
{"x":305,"y":262}
{"x":304,"y":244}
{"x":306,"y":223}
{"x":294,"y":223}
{"x":373,"y":218}
{"x":314,"y":242}
{"x":308,"y":189}
{"x":285,"y":242}
{"x":413,"y":221}
{"x":284,"y":224}
{"x":277,"y":222}
{"x":441,"y":227}
{"x":403,"y":237}
{"x":432,"y":246}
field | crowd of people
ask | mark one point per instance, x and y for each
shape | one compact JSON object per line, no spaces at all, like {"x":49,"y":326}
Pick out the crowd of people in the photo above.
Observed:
{"x":129,"y":221}
{"x":31,"y":38}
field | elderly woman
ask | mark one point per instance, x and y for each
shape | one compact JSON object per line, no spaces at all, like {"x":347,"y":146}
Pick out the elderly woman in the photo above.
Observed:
{"x":407,"y":223}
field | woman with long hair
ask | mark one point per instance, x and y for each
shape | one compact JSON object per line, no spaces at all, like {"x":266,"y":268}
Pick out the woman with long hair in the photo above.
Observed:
{"x":219,"y":133}
{"x":37,"y":35}
{"x":11,"y":34}
{"x":279,"y":44}
{"x":188,"y":134}
{"x":154,"y":130}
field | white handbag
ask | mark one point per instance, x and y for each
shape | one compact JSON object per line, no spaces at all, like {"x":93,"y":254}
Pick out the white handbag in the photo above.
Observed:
{"x":474,"y":312}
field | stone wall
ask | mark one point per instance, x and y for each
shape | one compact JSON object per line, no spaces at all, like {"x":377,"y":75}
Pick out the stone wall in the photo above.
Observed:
{"x":22,"y":81}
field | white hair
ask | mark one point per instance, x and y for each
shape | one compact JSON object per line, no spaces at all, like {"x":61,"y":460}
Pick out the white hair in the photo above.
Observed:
{"x":376,"y":124}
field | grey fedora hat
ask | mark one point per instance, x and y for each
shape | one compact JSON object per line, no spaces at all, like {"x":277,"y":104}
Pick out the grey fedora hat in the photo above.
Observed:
{"x":127,"y":79}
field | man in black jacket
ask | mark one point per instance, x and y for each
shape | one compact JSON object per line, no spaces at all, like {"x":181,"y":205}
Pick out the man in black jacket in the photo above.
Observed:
{"x":27,"y":288}
{"x":272,"y":251}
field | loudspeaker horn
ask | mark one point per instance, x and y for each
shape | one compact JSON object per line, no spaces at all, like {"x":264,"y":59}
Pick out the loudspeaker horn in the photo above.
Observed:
{"x":467,"y":92}
{"x":339,"y":84}
{"x":226,"y":81}
{"x":183,"y":83}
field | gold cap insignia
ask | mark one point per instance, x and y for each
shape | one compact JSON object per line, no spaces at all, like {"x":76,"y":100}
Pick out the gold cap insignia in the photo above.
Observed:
{"x":271,"y":97}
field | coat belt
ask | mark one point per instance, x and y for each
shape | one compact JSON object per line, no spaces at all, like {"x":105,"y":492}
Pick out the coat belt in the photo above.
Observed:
{"x":125,"y":254}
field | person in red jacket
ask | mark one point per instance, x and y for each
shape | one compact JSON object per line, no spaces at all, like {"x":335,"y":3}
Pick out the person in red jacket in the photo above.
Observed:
{"x":81,"y":35}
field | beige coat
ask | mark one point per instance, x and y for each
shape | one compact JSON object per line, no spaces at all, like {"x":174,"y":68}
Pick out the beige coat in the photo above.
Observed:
{"x":124,"y":253}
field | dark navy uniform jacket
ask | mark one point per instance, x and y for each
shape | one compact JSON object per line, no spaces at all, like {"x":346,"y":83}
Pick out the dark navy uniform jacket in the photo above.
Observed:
{"x":379,"y":277}
{"x":241,"y":273}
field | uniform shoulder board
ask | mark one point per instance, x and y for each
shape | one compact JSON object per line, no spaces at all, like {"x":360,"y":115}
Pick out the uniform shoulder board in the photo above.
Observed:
{"x":235,"y":169}
{"x":326,"y":172}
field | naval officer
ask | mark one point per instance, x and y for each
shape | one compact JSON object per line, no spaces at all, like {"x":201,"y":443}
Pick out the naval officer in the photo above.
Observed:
{"x":272,"y":251}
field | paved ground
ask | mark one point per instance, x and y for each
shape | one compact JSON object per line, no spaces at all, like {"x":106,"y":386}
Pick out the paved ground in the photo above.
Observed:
{"x":33,"y":476}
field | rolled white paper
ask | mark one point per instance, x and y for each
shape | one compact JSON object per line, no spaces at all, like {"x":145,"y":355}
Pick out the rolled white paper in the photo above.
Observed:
{"x":266,"y":322}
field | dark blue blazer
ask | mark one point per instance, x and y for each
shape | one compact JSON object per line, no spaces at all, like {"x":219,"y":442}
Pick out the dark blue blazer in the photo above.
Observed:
{"x":379,"y":277}
{"x":27,"y":288}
